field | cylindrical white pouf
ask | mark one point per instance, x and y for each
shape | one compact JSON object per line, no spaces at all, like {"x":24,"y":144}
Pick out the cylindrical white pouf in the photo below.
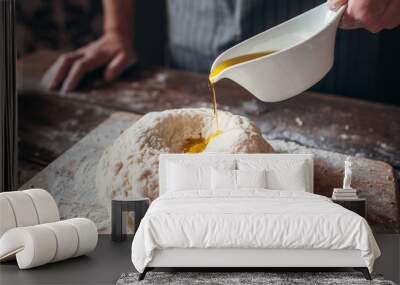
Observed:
{"x":67,"y":240}
{"x":23,"y":208}
{"x":30,"y":230}
{"x":34,"y":245}
{"x":7,"y":218}
{"x":87,"y":233}
{"x":46,"y":207}
{"x":40,"y":244}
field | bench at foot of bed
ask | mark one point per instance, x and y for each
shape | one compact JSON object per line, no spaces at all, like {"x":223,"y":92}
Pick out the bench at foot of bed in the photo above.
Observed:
{"x":363,"y":270}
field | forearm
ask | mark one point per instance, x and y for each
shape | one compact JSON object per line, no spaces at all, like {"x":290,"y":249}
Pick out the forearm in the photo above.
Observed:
{"x":118,"y":16}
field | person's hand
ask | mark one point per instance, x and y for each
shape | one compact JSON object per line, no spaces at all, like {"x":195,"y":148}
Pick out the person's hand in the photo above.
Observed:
{"x":373,"y":15}
{"x":112,"y":50}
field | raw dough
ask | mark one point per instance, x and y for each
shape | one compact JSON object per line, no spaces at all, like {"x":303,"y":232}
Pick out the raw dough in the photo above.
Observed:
{"x":130,"y":166}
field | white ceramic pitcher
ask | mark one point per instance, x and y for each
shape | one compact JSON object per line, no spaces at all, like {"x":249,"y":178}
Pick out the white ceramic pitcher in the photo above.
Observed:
{"x":305,"y":52}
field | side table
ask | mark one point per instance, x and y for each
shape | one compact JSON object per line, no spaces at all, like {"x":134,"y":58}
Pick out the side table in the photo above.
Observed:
{"x":358,"y":206}
{"x":137,"y":205}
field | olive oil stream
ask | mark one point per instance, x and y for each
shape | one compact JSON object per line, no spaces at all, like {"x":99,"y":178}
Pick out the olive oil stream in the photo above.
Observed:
{"x":197,"y":145}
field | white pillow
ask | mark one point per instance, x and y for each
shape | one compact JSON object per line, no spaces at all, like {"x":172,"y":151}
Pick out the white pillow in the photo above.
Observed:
{"x":181,"y":177}
{"x":227,"y":179}
{"x":223,"y":179}
{"x":292,"y":179}
{"x":291,"y":175}
{"x":251,"y":178}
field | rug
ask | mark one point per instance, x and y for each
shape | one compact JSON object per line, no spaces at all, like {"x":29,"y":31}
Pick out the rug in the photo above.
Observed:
{"x":243,"y":278}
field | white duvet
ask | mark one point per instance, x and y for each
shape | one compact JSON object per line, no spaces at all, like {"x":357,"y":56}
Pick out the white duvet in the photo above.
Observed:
{"x":250,"y":219}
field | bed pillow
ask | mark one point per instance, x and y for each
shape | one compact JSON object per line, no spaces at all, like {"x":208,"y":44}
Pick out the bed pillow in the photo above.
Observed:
{"x":281,"y":175}
{"x":223,"y":179}
{"x":181,"y":177}
{"x":292,"y":180}
{"x":227,"y":179}
{"x":251,"y":178}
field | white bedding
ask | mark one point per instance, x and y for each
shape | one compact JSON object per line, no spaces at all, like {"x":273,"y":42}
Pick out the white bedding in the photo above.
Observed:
{"x":250,"y":219}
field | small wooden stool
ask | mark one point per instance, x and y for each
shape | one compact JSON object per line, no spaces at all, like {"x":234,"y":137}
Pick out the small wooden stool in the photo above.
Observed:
{"x":137,"y":205}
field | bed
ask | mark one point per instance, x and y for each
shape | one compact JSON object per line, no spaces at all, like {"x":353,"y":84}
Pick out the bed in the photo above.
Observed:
{"x":247,"y":210}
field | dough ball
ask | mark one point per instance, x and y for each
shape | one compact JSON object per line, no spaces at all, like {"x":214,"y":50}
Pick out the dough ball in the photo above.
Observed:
{"x":130,"y":165}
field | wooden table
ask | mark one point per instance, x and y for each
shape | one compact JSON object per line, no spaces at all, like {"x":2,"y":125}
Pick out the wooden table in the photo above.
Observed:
{"x":50,"y":123}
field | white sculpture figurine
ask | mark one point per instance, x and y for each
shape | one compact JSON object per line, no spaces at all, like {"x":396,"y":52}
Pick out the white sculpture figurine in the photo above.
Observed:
{"x":347,"y":173}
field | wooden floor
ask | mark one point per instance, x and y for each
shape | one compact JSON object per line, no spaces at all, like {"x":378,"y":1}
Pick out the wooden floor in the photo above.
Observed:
{"x":50,"y":123}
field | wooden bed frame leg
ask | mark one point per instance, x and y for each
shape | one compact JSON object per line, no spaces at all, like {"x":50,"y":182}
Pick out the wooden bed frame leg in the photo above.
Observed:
{"x":143,"y":274}
{"x":364,"y":271}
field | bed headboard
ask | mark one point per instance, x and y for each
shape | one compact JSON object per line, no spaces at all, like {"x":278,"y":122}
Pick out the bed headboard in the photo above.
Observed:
{"x":214,"y":158}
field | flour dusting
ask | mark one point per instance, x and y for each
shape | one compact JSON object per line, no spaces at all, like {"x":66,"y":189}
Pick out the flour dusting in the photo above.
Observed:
{"x":130,"y":165}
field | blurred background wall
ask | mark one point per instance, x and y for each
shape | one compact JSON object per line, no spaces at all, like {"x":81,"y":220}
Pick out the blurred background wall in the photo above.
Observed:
{"x":366,"y":65}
